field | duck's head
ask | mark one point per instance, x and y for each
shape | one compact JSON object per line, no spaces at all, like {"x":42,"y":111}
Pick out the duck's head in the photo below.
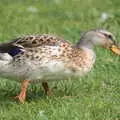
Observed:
{"x":98,"y":37}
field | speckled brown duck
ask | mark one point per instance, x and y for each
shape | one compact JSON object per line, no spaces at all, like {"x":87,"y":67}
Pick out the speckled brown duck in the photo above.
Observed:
{"x":47,"y":57}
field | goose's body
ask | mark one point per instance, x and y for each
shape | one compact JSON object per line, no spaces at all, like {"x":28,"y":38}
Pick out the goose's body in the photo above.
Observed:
{"x":46,"y":58}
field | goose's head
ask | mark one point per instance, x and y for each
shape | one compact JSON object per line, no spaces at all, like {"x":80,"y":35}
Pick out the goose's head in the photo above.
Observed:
{"x":98,"y":37}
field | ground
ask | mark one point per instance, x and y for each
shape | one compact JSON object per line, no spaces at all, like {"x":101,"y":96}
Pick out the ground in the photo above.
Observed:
{"x":93,"y":97}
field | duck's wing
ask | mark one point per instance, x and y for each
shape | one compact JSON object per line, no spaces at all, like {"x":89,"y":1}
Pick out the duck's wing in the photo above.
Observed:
{"x":18,"y":45}
{"x":39,"y":40}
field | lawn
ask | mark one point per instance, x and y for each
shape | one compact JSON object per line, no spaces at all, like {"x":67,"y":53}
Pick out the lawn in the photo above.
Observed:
{"x":93,"y":97}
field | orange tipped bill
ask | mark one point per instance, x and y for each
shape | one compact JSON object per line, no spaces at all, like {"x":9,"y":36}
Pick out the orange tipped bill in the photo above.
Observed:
{"x":115,"y":49}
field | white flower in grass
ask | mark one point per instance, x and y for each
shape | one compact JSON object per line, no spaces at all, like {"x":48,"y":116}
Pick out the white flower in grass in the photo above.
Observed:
{"x":104,"y":17}
{"x":57,"y":1}
{"x":41,"y":115}
{"x":32,"y":9}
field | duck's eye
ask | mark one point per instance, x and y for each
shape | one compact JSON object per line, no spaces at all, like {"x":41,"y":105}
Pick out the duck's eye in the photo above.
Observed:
{"x":110,"y":37}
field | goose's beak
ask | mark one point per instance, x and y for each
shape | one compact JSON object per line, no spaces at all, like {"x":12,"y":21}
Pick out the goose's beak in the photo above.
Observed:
{"x":115,"y":49}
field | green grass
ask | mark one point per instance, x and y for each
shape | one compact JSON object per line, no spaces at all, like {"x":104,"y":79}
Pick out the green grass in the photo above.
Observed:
{"x":93,"y":97}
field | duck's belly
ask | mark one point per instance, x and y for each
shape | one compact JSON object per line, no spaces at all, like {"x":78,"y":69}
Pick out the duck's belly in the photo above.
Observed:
{"x":51,"y":71}
{"x":46,"y":70}
{"x":55,"y":70}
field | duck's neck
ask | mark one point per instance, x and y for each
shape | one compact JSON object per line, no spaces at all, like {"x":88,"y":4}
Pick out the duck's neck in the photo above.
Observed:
{"x":88,"y":45}
{"x":85,"y":43}
{"x":85,"y":46}
{"x":88,"y":50}
{"x":88,"y":58}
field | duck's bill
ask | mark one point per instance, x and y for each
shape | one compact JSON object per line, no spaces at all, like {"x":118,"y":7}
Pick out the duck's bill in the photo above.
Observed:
{"x":115,"y":49}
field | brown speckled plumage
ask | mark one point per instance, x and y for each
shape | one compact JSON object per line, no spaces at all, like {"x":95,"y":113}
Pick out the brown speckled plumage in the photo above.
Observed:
{"x":38,"y":40}
{"x":47,"y":57}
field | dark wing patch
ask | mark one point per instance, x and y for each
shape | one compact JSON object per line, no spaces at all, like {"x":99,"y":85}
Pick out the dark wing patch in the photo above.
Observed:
{"x":15,"y":51}
{"x":10,"y":49}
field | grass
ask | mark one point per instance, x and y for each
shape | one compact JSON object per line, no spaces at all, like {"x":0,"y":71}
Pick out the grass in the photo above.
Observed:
{"x":93,"y":97}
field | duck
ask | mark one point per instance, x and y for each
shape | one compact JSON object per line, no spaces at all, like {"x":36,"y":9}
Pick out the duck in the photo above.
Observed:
{"x":44,"y":57}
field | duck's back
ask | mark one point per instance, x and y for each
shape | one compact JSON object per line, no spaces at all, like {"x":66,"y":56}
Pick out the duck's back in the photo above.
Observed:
{"x":39,"y":40}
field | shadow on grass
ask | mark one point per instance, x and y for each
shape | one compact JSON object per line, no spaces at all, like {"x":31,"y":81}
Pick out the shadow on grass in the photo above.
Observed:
{"x":7,"y":94}
{"x":8,"y":90}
